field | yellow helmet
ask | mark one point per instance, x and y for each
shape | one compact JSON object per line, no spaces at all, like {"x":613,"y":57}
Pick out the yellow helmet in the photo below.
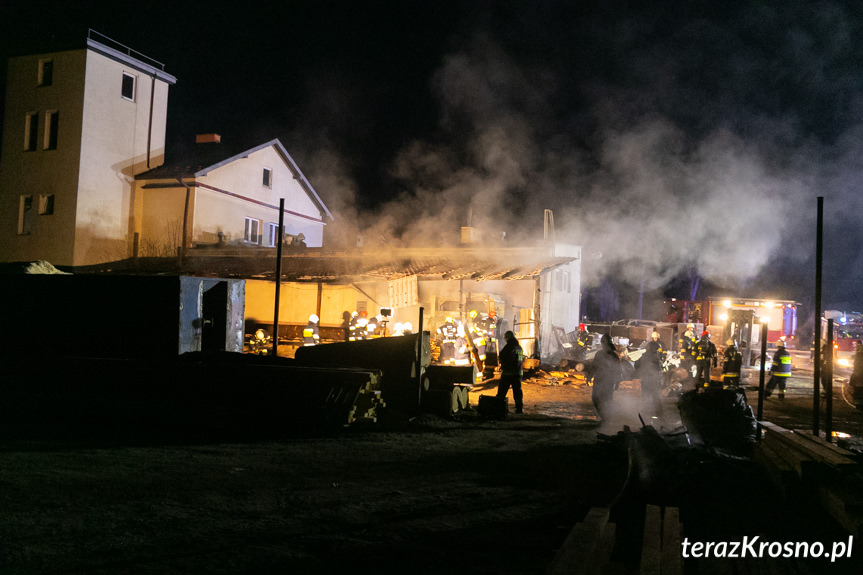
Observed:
{"x":473,"y":313}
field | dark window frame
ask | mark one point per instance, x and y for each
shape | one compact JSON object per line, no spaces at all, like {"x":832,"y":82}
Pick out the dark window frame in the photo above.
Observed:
{"x":128,"y":87}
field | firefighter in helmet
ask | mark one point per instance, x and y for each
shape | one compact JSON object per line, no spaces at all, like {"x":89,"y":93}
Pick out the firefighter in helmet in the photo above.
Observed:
{"x":477,"y":333}
{"x":583,"y":343}
{"x":362,"y":325}
{"x":447,"y":334}
{"x":733,"y":360}
{"x":781,"y":370}
{"x":705,"y":356}
{"x":461,"y":355}
{"x":353,"y":326}
{"x":686,"y":347}
{"x":311,"y":336}
{"x":488,"y":324}
{"x":372,"y":326}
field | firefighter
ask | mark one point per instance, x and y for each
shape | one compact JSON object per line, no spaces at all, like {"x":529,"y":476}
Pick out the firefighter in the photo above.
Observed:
{"x":447,"y":334}
{"x":362,"y":325}
{"x":511,"y":360}
{"x":488,"y":324}
{"x":705,"y":356}
{"x":310,"y":332}
{"x":733,"y":360}
{"x":353,"y":326}
{"x":477,"y":333}
{"x":372,"y":327}
{"x":461,"y":355}
{"x":650,"y":374}
{"x":780,"y":371}
{"x":686,"y":347}
{"x":605,"y":375}
{"x":583,"y":343}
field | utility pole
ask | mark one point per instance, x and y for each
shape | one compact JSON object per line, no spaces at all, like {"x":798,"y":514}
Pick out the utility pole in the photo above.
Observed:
{"x":278,"y":277}
{"x":819,"y":249}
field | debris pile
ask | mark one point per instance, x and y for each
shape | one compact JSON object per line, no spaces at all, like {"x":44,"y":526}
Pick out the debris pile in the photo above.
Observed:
{"x":719,"y":418}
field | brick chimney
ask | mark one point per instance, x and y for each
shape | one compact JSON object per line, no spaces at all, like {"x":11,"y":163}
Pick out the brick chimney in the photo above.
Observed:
{"x":208,"y":139}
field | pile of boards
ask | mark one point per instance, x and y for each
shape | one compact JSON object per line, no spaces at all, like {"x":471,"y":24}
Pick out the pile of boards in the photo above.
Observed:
{"x":802,"y":463}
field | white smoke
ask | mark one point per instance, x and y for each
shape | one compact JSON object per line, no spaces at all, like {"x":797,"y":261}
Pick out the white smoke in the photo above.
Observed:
{"x":729,"y":195}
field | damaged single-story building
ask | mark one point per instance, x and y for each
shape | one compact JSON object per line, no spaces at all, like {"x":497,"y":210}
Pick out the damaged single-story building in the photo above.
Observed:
{"x":534,"y":290}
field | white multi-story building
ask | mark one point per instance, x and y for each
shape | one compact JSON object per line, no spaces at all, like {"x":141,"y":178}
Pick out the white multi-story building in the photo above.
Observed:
{"x":83,"y":178}
{"x":78,"y":126}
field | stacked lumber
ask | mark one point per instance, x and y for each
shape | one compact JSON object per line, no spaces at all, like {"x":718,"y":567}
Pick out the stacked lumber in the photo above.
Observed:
{"x":797,"y":460}
{"x":400,"y":360}
{"x":195,"y":397}
{"x":661,"y":544}
{"x":590,"y":546}
{"x":365,"y":406}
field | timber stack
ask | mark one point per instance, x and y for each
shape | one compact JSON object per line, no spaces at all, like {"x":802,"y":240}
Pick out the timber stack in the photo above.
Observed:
{"x":800,"y":463}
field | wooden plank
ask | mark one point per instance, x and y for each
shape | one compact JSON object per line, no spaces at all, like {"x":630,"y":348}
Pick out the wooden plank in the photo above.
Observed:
{"x":827,"y":447}
{"x":651,"y":543}
{"x":672,"y":556}
{"x":811,"y":446}
{"x":842,"y":505}
{"x":583,"y":549}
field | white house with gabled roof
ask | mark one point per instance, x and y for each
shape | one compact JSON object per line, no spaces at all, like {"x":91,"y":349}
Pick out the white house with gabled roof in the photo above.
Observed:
{"x":225,"y":196}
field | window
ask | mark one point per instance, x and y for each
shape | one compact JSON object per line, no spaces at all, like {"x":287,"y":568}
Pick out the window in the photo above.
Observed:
{"x":46,"y":72}
{"x":272,"y":234}
{"x":252,"y":233}
{"x":31,"y":131}
{"x":25,"y":214}
{"x":46,"y":204}
{"x":52,"y":123}
{"x":268,"y":177}
{"x":128,"y":89}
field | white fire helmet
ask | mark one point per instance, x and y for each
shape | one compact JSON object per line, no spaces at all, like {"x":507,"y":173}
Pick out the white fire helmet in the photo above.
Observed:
{"x":313,"y":318}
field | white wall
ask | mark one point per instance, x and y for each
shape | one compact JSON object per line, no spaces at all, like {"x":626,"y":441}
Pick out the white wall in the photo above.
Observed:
{"x":114,"y":147}
{"x":51,"y":237}
{"x":217,"y":211}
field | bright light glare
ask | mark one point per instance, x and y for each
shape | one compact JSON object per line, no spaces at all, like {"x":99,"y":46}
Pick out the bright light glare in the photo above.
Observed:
{"x":723,"y":316}
{"x":841,"y":434}
{"x":844,"y":362}
{"x":727,"y":303}
{"x":764,"y":319}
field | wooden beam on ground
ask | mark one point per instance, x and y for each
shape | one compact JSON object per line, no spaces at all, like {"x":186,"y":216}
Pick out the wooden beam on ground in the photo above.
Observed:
{"x":586,"y":549}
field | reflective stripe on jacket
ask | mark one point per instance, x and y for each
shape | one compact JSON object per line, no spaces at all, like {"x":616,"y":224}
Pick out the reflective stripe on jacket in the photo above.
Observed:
{"x":782,"y":364}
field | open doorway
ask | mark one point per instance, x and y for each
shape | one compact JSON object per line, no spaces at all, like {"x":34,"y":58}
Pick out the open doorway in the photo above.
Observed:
{"x":214,"y":310}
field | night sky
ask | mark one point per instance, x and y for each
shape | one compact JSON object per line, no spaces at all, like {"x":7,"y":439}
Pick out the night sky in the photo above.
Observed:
{"x":672,"y":139}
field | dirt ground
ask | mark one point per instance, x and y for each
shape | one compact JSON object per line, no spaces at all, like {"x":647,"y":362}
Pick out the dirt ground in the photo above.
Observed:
{"x":429,"y":495}
{"x":422,"y":495}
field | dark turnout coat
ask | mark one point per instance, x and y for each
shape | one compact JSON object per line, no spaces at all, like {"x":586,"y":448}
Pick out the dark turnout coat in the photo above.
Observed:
{"x":606,"y":374}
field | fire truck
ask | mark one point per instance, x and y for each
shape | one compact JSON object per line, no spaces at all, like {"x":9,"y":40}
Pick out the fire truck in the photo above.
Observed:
{"x":847,"y":331}
{"x":737,"y":318}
